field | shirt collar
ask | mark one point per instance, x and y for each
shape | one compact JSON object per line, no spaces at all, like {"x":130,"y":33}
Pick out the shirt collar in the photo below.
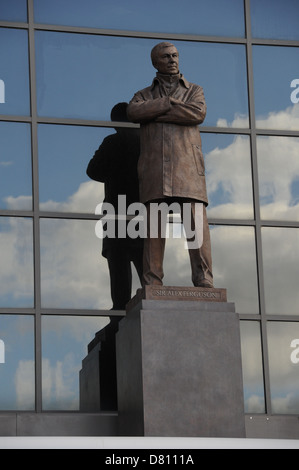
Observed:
{"x":182,"y":79}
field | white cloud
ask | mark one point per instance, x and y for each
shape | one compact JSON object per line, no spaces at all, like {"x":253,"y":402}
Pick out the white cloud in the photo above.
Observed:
{"x":85,"y":199}
{"x":228,"y":173}
{"x":25,"y":385}
{"x":286,"y":119}
{"x":60,"y":390}
{"x":17,"y":260}
{"x":255,"y":404}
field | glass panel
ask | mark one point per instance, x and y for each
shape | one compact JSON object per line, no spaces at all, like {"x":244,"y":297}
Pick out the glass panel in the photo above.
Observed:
{"x":252,"y":367}
{"x":275,"y":19}
{"x":64,"y":346}
{"x":169,"y":16}
{"x":16,"y":269}
{"x":15,"y":165}
{"x":14,"y":79}
{"x":281,"y":259}
{"x":91,"y":77}
{"x":13,"y":11}
{"x":234,"y":265}
{"x":283,"y":344}
{"x":228,"y":176}
{"x":276,"y":87}
{"x":74,"y":274}
{"x":278,"y":166}
{"x":64,"y":153}
{"x":17,"y":376}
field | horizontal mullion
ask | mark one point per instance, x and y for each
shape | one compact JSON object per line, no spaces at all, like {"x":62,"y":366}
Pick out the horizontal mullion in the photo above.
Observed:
{"x":4,"y":117}
{"x":17,"y":311}
{"x":13,"y":24}
{"x":137,"y":34}
{"x":274,"y":42}
{"x":81,"y":312}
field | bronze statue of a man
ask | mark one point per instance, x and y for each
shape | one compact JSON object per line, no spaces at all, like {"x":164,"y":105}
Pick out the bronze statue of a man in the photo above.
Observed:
{"x":171,"y":164}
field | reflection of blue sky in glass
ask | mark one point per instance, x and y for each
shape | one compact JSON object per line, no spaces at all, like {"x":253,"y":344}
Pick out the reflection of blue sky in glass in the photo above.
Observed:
{"x":14,"y":71}
{"x":13,"y":10}
{"x":284,"y":366}
{"x":64,"y":153}
{"x":277,"y":19}
{"x":252,"y":367}
{"x":15,"y":166}
{"x":214,"y":17}
{"x":16,"y":268}
{"x":83,"y":76}
{"x":275,"y":67}
{"x":61,"y":364}
{"x":17,"y":379}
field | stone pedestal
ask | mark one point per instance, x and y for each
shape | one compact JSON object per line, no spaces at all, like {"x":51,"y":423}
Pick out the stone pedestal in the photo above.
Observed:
{"x":97,"y":377}
{"x":179,"y":365}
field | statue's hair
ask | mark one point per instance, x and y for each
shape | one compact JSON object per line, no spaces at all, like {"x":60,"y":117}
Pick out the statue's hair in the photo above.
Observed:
{"x":157,"y":48}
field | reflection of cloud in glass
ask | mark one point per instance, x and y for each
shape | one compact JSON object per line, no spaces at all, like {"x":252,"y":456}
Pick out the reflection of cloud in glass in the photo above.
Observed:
{"x":281,"y":261}
{"x":252,"y":367}
{"x":25,"y":385}
{"x":17,"y":378}
{"x":85,"y":199}
{"x":229,"y":179}
{"x":16,"y":272}
{"x":61,"y":364}
{"x":278,"y":166}
{"x":284,"y":374}
{"x":60,"y":384}
{"x":234,"y":265}
{"x":73,"y":272}
{"x":287,"y":119}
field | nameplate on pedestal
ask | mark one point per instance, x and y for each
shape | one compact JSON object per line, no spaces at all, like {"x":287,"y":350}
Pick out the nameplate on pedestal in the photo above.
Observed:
{"x":153,"y":292}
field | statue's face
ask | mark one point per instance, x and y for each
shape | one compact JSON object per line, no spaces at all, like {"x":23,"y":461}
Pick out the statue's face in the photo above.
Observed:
{"x":167,"y":60}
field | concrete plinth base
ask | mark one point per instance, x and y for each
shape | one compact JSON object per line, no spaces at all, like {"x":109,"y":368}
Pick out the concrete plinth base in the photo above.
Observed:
{"x":179,"y":370}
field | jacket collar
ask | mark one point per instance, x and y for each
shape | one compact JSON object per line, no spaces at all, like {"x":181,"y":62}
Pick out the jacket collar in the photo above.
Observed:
{"x":182,"y":79}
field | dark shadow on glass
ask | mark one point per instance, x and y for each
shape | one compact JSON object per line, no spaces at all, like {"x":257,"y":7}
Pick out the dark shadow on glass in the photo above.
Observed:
{"x":115,"y":165}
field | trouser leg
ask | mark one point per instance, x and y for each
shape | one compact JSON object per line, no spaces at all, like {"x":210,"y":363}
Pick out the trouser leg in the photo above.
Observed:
{"x":200,"y":257}
{"x":137,"y":260}
{"x":153,"y":254}
{"x":120,"y":278}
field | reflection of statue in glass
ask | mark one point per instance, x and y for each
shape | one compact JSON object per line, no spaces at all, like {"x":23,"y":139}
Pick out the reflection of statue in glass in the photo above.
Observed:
{"x":171,"y":164}
{"x":115,"y":164}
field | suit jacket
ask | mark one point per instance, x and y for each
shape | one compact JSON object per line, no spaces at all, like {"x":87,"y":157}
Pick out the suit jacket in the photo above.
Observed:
{"x":171,"y":162}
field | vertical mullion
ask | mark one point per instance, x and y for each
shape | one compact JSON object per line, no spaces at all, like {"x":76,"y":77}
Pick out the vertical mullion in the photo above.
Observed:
{"x":256,"y":201}
{"x":35,"y":190}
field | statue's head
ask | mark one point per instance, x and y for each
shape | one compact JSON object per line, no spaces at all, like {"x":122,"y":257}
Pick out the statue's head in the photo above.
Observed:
{"x":165,"y":58}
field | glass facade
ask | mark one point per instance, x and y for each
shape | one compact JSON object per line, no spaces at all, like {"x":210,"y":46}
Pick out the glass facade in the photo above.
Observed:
{"x":65,"y":64}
